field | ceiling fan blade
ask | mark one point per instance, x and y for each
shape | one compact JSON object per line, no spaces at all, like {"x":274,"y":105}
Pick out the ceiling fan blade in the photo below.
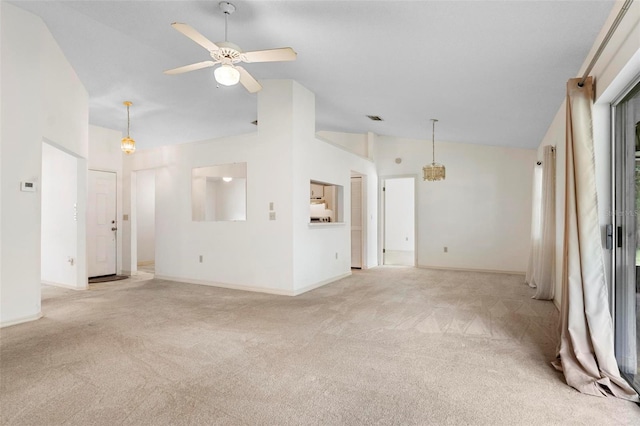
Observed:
{"x":195,"y":36}
{"x":247,"y":80}
{"x":272,"y":55}
{"x":192,"y":67}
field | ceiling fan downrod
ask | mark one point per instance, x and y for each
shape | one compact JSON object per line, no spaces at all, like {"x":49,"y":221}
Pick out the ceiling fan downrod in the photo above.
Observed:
{"x":226,"y":8}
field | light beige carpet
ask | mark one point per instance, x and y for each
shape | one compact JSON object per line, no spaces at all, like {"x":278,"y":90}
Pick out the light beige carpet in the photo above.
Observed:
{"x":389,"y":346}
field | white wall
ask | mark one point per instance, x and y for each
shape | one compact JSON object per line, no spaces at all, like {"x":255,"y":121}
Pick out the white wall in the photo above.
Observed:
{"x":146,"y":215}
{"x":257,"y":254}
{"x":481,"y":211}
{"x":105,"y":155}
{"x":1,"y":190}
{"x":322,"y":252}
{"x":59,"y":196}
{"x":354,"y":142}
{"x":42,"y":98}
{"x":252,"y":254}
{"x":616,"y":68}
{"x":231,"y":199}
{"x":399,"y":214}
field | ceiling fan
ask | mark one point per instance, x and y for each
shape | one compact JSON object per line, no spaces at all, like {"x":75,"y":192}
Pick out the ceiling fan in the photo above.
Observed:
{"x":228,"y":55}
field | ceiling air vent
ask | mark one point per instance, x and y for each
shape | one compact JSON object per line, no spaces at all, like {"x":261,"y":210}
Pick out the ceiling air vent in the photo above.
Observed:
{"x":374,"y":118}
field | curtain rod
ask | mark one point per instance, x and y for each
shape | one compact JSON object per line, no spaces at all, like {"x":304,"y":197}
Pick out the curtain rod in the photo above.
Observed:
{"x":605,"y":41}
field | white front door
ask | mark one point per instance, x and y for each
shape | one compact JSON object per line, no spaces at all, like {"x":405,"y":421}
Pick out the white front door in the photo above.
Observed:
{"x":101,"y":223}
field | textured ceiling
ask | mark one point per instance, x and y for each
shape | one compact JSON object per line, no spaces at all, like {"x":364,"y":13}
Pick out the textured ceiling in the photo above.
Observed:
{"x":493,"y":72}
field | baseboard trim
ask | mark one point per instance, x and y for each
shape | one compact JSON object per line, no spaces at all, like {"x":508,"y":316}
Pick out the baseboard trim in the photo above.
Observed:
{"x":146,"y":262}
{"x":69,"y":287}
{"x":21,"y":320}
{"x":276,"y":291}
{"x":320,"y":284}
{"x":490,"y":271}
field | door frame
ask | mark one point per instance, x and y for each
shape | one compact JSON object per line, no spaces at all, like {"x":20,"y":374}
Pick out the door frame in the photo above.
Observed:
{"x":134,"y":214}
{"x":131,"y":223}
{"x":615,"y":202}
{"x":365,"y":214}
{"x":382,"y":216}
{"x":620,"y":250}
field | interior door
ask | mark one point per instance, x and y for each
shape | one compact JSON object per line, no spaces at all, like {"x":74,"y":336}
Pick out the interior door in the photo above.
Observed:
{"x":101,"y":223}
{"x":356,"y":222}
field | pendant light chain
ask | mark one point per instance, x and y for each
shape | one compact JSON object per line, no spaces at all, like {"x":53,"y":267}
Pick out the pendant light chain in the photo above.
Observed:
{"x":127,"y":144}
{"x":433,"y":171}
{"x":433,"y":141}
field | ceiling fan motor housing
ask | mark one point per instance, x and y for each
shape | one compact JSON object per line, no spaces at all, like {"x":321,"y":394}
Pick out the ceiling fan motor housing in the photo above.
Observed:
{"x":228,"y":52}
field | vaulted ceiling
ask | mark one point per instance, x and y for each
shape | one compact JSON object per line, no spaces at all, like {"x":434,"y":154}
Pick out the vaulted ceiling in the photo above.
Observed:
{"x":493,"y":72}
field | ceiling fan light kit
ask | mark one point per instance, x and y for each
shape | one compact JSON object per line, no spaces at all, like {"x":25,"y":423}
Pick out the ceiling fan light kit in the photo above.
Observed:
{"x":433,"y":171}
{"x":227,"y":75}
{"x":228,"y":54}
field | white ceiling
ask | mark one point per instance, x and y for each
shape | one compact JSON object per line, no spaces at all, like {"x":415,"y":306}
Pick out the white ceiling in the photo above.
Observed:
{"x":493,"y":72}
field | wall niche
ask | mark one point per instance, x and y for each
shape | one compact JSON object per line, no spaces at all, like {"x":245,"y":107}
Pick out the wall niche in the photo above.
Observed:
{"x":219,"y":193}
{"x":325,"y":202}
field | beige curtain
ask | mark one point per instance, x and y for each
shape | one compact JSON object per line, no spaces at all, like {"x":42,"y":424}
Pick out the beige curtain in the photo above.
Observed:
{"x":541,"y":271}
{"x":535,"y":224}
{"x":586,"y":354}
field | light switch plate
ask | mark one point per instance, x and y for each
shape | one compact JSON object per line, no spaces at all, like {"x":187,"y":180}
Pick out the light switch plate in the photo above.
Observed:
{"x":272,"y":215}
{"x":27,"y":187}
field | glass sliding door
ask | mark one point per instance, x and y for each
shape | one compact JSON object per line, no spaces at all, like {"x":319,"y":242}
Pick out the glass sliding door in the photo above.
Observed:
{"x":626,"y":288}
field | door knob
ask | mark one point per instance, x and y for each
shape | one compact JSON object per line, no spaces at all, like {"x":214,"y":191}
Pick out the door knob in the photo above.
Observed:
{"x":114,"y":229}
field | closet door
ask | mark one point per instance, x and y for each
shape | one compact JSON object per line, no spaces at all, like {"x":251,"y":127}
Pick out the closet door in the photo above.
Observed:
{"x":356,"y":222}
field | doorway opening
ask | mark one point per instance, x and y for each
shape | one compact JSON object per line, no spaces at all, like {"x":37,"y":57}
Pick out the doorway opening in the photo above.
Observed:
{"x":399,"y":226}
{"x":102,"y":225}
{"x":626,"y":291}
{"x":145,"y":221}
{"x":62,"y":220}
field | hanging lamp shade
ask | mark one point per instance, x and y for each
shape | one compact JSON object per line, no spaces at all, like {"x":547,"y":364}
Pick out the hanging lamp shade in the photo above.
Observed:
{"x":433,"y":171}
{"x":128,"y":145}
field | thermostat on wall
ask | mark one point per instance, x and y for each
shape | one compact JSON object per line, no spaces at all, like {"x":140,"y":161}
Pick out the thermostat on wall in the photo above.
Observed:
{"x":27,"y":186}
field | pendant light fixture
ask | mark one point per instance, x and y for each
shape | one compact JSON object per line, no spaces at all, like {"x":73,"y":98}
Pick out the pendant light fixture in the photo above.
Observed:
{"x":433,"y":171}
{"x":128,"y":145}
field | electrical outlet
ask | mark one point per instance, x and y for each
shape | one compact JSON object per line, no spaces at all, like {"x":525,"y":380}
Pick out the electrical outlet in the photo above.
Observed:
{"x":272,"y":215}
{"x":446,"y":249}
{"x":406,"y":238}
{"x":201,"y":258}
